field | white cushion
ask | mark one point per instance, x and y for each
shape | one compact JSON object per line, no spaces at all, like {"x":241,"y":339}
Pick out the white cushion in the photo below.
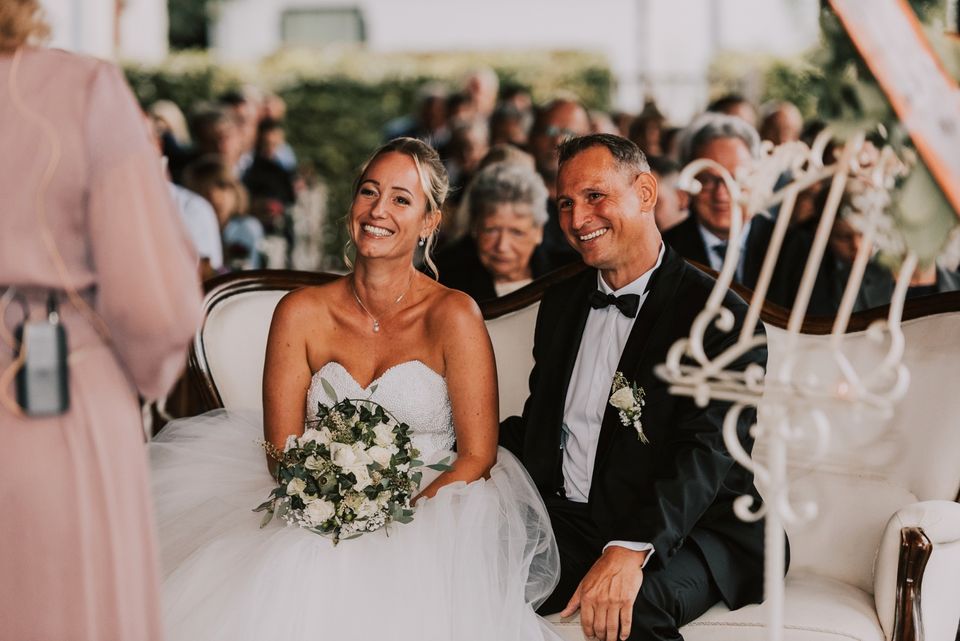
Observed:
{"x":512,"y":337}
{"x":816,"y":609}
{"x":873,"y":467}
{"x":234,"y":342}
{"x":842,"y":541}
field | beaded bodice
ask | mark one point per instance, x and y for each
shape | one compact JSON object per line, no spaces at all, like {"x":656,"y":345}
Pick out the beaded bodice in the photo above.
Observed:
{"x":411,"y":391}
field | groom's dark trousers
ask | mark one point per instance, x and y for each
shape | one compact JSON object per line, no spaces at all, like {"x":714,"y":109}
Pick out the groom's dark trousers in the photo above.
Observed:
{"x":676,"y":491}
{"x":669,"y":597}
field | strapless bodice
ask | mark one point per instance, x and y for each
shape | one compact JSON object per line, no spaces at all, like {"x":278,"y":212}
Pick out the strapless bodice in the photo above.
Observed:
{"x":411,"y":391}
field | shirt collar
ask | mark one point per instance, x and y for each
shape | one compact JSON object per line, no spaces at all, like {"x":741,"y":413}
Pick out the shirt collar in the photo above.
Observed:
{"x":638,"y":286}
{"x":711,"y":240}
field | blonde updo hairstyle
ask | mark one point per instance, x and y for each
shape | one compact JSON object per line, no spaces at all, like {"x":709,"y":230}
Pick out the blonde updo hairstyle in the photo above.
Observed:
{"x":21,"y":21}
{"x":433,"y":180}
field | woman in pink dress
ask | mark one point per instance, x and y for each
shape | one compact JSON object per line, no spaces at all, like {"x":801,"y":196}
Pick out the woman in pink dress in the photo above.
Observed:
{"x":85,"y":214}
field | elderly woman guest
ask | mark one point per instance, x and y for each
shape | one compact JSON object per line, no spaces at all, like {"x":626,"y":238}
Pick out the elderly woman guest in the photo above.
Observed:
{"x":502,"y":253}
{"x":87,"y":220}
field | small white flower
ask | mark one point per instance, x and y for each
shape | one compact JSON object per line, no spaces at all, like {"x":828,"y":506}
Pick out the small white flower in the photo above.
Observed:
{"x":384,"y":434}
{"x":403,"y":468}
{"x":382,"y":454}
{"x":623,"y":399}
{"x":319,"y":511}
{"x":296,"y":486}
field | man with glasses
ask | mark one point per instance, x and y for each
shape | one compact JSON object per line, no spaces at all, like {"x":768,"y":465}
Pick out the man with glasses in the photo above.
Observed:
{"x":554,"y":123}
{"x":704,"y":237}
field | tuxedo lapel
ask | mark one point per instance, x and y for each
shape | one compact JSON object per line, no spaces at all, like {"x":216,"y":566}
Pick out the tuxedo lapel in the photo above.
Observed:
{"x":660,"y":296}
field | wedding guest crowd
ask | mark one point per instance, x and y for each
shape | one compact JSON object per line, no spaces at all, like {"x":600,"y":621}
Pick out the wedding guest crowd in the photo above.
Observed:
{"x":234,"y":155}
{"x":464,"y":122}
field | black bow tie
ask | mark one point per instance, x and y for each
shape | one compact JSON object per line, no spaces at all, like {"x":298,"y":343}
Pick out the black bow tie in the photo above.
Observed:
{"x":628,"y":304}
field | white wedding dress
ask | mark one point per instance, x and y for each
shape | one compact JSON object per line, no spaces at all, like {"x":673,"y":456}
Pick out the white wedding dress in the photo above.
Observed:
{"x":474,"y":563}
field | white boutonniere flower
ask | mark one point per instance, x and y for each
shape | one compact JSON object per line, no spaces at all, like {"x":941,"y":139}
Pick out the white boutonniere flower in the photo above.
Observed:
{"x":628,"y":398}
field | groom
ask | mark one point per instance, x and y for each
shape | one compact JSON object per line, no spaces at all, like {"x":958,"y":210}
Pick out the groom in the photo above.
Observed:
{"x":647,"y":535}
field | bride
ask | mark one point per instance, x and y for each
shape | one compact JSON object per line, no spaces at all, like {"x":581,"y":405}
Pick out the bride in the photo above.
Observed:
{"x":479,"y":556}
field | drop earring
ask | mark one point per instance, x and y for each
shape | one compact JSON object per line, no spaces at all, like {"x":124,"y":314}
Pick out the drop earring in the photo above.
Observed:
{"x":423,"y":241}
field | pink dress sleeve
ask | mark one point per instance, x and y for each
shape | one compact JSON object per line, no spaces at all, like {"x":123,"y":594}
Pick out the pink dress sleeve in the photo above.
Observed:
{"x":147,"y":281}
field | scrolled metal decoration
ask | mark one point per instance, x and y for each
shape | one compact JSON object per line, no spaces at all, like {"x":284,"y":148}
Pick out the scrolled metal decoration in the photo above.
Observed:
{"x":791,"y":402}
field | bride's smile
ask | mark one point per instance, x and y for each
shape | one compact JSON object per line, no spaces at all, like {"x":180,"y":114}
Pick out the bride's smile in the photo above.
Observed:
{"x":390,"y":213}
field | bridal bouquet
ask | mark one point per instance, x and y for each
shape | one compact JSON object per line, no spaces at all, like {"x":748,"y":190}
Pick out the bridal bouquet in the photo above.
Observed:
{"x":353,"y":470}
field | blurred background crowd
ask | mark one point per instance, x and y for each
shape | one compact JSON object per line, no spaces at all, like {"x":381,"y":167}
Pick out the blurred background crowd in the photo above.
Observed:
{"x":263,"y":128}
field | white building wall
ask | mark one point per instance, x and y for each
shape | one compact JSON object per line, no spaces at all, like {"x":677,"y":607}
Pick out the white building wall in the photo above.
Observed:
{"x":82,"y":26}
{"x":661,"y":48}
{"x":144,"y":28}
{"x":89,"y":27}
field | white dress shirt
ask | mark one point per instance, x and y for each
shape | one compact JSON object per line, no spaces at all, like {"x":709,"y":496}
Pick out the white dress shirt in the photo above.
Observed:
{"x":604,"y":337}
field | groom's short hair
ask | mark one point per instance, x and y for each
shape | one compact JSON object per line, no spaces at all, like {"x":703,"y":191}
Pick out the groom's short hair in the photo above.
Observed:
{"x":626,"y":153}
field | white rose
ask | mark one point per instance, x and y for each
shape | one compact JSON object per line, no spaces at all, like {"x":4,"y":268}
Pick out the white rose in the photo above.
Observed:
{"x":342,"y":455}
{"x":363,"y":478}
{"x":384,"y":434}
{"x":313,"y":463}
{"x":321,"y":436}
{"x":360,"y":454}
{"x":381,"y":454}
{"x":319,"y":511}
{"x":622,"y":399}
{"x":296,"y":486}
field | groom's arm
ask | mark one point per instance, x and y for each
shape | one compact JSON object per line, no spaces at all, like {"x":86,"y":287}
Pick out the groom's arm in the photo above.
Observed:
{"x":694,"y":465}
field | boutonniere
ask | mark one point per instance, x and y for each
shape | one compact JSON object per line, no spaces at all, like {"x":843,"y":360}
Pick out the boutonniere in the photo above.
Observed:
{"x":628,"y":397}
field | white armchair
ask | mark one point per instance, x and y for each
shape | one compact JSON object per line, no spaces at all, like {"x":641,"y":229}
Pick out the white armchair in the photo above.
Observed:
{"x":888,"y":529}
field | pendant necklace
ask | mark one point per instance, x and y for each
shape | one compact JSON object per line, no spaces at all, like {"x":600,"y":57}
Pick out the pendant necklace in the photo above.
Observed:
{"x":376,"y":322}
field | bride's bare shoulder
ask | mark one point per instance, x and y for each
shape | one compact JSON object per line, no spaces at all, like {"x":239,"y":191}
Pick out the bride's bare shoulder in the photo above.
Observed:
{"x":307,"y":306}
{"x":453,"y":310}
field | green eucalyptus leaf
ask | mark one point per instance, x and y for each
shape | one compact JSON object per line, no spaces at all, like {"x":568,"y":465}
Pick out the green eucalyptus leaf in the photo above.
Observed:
{"x":328,"y":388}
{"x":267,"y":517}
{"x":266,"y":505}
{"x":441,"y":466}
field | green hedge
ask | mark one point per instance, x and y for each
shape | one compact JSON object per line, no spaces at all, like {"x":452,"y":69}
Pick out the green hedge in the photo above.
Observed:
{"x":338,"y":103}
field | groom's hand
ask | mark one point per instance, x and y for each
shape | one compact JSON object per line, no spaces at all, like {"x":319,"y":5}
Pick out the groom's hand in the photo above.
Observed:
{"x":607,"y":593}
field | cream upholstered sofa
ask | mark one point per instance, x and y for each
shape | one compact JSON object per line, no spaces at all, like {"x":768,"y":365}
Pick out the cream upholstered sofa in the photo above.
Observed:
{"x":888,"y":522}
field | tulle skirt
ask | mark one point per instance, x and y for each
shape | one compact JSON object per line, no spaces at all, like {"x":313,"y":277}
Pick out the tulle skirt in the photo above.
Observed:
{"x":475,"y":562}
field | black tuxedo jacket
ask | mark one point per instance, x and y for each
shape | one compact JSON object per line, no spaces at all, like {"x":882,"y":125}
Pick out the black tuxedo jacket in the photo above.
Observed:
{"x":681,"y":486}
{"x":686,"y":239}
